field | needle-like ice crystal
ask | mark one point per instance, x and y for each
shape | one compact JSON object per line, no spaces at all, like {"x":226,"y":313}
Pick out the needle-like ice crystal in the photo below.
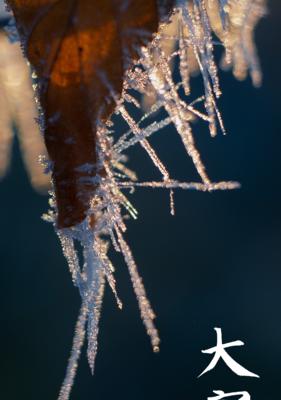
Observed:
{"x":188,"y":45}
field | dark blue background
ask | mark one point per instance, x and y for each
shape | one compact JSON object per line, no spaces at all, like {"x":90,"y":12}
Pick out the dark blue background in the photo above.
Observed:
{"x":216,"y":263}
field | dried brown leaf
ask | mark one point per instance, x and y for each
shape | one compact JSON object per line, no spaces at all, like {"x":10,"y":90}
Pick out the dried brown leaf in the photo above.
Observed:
{"x":80,"y":51}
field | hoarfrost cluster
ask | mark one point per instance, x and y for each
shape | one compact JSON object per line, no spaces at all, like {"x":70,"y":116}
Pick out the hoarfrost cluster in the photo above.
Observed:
{"x":185,"y":42}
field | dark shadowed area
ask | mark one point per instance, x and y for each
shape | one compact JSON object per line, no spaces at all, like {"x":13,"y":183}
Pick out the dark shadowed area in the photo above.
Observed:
{"x":217,"y":263}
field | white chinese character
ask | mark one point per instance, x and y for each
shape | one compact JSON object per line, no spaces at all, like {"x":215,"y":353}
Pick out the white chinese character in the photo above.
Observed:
{"x":221,"y":395}
{"x":220,"y":352}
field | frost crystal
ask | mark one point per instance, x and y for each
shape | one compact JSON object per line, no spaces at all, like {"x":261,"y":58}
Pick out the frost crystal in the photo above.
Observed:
{"x":188,"y":42}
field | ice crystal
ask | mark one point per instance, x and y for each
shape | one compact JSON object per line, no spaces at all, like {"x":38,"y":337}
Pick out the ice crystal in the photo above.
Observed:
{"x":191,"y":46}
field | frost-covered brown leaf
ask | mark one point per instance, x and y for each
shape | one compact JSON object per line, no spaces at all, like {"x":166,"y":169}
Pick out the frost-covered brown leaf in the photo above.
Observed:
{"x":80,"y":51}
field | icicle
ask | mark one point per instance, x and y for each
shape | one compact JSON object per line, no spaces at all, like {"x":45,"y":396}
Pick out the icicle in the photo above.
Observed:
{"x":94,"y":296}
{"x":183,"y":55}
{"x":172,"y":202}
{"x":145,"y":133}
{"x":173,"y":107}
{"x":70,"y":254}
{"x":100,"y":250}
{"x":199,"y":31}
{"x":78,"y":341}
{"x":147,"y":313}
{"x":173,"y":184}
{"x":136,"y":130}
